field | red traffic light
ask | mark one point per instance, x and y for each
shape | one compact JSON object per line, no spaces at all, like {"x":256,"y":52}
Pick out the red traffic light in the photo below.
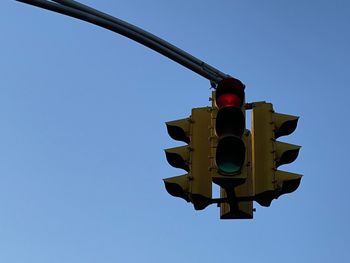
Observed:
{"x":229,"y":100}
{"x":230,"y":93}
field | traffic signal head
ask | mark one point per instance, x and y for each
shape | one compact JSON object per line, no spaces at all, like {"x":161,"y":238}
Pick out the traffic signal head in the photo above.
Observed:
{"x":229,"y":126}
{"x":221,"y":150}
{"x":231,"y":150}
{"x":195,"y":186}
{"x":268,"y":154}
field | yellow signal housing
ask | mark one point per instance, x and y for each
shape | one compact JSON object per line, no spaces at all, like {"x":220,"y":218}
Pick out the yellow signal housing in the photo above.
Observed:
{"x":268,"y":154}
{"x":236,"y":191}
{"x":196,"y":185}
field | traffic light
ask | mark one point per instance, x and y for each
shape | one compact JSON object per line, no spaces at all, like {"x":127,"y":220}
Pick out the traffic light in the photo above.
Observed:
{"x":196,"y":185}
{"x":268,"y":154}
{"x":221,"y":150}
{"x":231,"y":150}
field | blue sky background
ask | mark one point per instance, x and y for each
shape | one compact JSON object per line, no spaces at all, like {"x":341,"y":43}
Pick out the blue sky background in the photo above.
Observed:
{"x":82,"y":114}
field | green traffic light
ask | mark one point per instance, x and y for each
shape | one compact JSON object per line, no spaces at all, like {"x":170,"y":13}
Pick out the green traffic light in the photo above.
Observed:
{"x":230,"y":155}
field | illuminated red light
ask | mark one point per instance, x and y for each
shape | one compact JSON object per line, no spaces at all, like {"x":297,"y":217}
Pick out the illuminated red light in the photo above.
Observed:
{"x":229,"y":100}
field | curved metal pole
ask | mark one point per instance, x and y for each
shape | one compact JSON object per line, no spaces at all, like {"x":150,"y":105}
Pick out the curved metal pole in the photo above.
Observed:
{"x":77,"y":10}
{"x":89,"y":10}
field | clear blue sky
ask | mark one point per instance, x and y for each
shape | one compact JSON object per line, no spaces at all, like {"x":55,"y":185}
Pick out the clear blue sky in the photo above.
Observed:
{"x":82,"y":114}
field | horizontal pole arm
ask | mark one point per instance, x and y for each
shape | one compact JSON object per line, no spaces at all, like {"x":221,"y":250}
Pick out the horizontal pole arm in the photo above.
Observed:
{"x":87,"y":9}
{"x":129,"y":31}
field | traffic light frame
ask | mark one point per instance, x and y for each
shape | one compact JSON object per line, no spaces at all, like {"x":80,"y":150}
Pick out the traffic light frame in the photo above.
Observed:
{"x":231,"y":155}
{"x":196,"y":185}
{"x":268,"y":153}
{"x":221,"y":150}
